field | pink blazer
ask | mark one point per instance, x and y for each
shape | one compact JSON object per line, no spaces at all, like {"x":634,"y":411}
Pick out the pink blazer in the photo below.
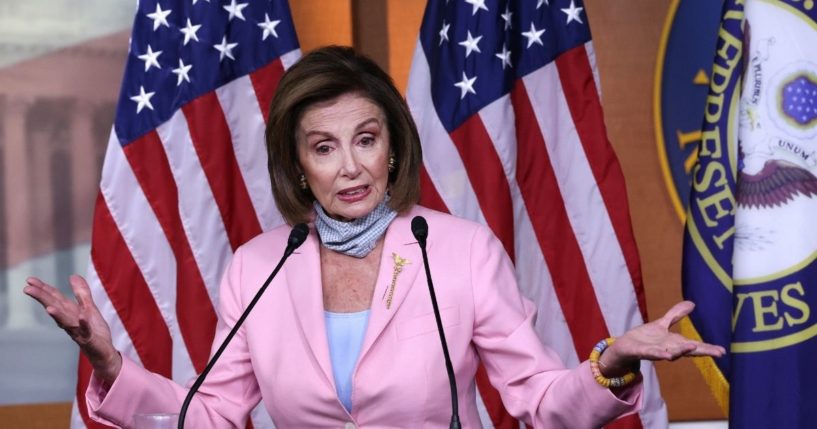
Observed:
{"x":281,"y":354}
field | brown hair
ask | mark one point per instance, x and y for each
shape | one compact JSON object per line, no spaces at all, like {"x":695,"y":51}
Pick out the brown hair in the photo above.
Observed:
{"x":322,"y":75}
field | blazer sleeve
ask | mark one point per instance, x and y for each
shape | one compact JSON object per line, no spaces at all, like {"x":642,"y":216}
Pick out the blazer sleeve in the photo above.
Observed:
{"x":224,"y":399}
{"x":531,"y":378}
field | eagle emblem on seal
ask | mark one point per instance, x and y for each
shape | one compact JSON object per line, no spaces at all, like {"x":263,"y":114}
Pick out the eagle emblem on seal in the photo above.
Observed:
{"x":778,"y":147}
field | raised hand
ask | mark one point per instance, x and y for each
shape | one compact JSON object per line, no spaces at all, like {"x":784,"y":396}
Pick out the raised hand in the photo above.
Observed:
{"x":82,"y":321}
{"x":654,"y":341}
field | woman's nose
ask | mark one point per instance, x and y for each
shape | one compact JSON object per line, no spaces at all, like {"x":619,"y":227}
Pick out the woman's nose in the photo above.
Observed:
{"x":351,"y":165}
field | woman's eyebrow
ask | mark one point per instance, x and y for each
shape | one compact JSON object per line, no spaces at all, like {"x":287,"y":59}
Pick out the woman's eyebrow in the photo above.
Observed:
{"x":318,"y":133}
{"x":367,"y":122}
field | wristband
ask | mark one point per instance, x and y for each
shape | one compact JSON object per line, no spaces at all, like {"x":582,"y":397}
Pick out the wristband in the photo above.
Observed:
{"x":598,"y":349}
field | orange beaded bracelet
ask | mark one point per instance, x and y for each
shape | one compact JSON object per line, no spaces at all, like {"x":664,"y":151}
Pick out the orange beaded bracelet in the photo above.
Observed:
{"x":598,"y":349}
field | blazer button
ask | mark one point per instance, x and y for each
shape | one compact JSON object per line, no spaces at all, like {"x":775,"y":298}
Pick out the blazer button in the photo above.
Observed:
{"x":349,"y":425}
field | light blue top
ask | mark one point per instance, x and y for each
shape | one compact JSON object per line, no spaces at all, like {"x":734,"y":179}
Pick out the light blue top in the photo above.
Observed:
{"x":345,"y":332}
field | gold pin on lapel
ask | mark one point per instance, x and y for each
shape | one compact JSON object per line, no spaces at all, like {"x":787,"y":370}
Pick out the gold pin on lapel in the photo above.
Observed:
{"x":399,"y":262}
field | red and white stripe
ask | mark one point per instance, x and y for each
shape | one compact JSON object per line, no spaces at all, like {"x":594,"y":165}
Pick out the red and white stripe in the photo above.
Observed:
{"x":173,"y":206}
{"x":561,"y":210}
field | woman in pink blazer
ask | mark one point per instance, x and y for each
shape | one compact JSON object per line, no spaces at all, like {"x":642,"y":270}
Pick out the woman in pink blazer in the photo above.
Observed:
{"x":345,"y":335}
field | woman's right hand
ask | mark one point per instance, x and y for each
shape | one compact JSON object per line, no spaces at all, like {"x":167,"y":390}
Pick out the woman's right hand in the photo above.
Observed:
{"x":82,"y":321}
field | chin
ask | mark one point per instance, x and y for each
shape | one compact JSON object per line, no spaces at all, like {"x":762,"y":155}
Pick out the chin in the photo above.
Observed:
{"x":357,"y":213}
{"x":357,"y":210}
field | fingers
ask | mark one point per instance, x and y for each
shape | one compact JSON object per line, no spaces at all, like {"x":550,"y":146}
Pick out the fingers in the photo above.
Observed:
{"x":704,"y":349}
{"x":676,"y":313}
{"x":44,"y":294}
{"x":679,"y":350}
{"x":80,"y":320}
{"x":34,"y":281}
{"x":670,"y":351}
{"x":689,"y":348}
{"x":35,"y":285}
{"x":82,"y":292}
{"x":63,"y":310}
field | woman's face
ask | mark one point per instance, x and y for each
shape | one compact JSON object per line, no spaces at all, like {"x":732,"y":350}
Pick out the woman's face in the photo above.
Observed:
{"x":343,"y":149}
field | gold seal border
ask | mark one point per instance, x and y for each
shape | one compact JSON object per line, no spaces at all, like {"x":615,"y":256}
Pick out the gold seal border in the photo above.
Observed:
{"x":701,"y":245}
{"x":776,"y":343}
{"x":712,"y":375}
{"x":656,"y":104}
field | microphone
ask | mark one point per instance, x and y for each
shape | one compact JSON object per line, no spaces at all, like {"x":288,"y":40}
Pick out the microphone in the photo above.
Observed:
{"x":419,"y":227}
{"x":296,"y":237}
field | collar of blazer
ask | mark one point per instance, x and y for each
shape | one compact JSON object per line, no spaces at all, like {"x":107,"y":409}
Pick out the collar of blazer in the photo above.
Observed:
{"x":303,"y":273}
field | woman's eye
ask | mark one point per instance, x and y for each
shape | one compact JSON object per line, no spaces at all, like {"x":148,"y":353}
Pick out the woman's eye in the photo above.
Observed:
{"x":323,"y":149}
{"x":367,"y":140}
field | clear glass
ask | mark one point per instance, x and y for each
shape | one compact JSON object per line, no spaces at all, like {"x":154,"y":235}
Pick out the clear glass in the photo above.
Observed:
{"x":156,"y":421}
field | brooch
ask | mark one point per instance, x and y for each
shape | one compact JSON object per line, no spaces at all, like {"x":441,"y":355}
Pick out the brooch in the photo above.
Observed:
{"x":399,"y":263}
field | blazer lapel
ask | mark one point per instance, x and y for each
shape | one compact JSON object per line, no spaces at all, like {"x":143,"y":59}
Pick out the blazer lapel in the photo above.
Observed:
{"x":400,"y":264}
{"x":304,"y":282}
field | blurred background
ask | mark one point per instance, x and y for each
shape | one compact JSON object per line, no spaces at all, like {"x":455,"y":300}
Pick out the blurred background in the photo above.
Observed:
{"x":61,"y":65}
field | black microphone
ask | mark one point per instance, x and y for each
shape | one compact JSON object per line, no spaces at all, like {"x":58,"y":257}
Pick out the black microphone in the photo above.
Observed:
{"x":296,"y":238}
{"x":419,"y":227}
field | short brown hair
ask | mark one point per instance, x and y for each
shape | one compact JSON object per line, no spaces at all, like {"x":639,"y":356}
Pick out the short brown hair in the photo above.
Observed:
{"x":322,"y":75}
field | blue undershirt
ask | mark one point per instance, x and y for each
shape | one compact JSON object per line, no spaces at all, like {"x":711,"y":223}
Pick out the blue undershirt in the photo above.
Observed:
{"x":345,"y":332}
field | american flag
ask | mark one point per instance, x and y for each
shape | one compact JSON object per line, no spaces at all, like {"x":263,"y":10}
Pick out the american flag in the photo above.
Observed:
{"x":185,"y":179}
{"x":505,"y":95}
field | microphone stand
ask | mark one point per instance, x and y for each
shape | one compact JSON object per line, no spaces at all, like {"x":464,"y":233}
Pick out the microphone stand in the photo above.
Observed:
{"x":419,"y":227}
{"x":296,"y":238}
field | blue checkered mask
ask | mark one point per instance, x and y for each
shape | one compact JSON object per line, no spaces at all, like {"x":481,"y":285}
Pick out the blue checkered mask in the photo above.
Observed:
{"x":355,"y":238}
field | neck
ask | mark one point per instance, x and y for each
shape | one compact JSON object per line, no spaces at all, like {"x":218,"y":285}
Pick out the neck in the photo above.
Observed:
{"x":356,"y":237}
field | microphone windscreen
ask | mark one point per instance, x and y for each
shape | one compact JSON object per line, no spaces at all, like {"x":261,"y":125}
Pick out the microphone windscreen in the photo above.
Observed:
{"x":419,"y":227}
{"x":298,"y":235}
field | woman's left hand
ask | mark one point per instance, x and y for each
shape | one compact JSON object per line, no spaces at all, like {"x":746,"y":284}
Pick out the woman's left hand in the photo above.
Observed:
{"x":654,"y":341}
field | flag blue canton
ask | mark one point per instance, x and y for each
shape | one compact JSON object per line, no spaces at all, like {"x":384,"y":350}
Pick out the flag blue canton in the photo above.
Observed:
{"x":476,"y":49}
{"x":182,"y":49}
